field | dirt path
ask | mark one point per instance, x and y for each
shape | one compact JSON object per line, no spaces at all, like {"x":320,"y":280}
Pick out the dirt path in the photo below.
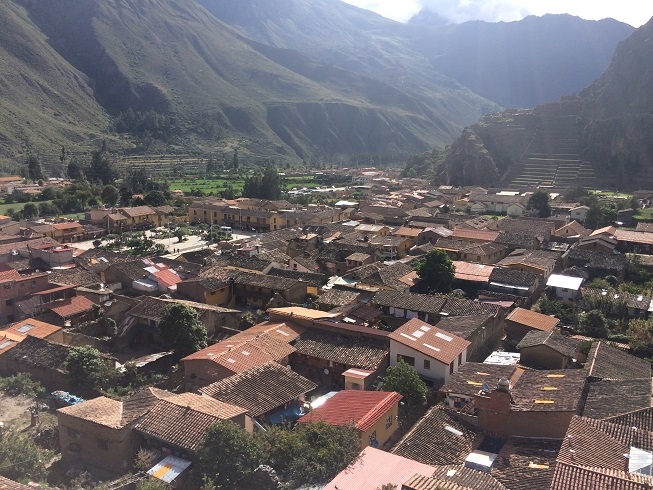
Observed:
{"x":13,"y":407}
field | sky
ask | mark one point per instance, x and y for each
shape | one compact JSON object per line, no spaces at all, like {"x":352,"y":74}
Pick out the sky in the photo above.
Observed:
{"x":633,"y":12}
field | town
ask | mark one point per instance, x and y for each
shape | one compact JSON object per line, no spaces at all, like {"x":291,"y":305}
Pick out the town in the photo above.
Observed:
{"x":379,"y":333}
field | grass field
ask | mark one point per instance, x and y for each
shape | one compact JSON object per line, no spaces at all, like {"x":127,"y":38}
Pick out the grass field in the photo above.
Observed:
{"x":209,"y":186}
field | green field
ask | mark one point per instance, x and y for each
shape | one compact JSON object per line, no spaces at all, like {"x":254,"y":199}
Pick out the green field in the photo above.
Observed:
{"x":213,"y":186}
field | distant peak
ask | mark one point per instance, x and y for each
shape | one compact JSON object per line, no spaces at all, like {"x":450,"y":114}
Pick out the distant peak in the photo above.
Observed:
{"x":428,"y":17}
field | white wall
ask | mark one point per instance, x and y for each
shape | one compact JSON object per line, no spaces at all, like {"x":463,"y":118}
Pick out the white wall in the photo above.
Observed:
{"x":438,"y":370}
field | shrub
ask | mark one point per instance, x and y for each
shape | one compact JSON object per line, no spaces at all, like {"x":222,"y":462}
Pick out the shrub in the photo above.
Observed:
{"x":22,"y":384}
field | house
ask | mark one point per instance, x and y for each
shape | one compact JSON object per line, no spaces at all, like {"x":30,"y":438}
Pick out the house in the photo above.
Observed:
{"x":257,"y":289}
{"x":409,"y":305}
{"x":336,"y":297}
{"x":484,"y":253}
{"x":521,"y":321}
{"x":565,"y":288}
{"x":571,"y":231}
{"x":68,"y":231}
{"x":634,"y":241}
{"x":597,"y":264}
{"x":610,"y":454}
{"x":432,"y":234}
{"x":264,"y":390}
{"x":514,"y":282}
{"x":207,"y":211}
{"x":482,"y":331}
{"x":528,"y":403}
{"x":597,"y":243}
{"x":375,"y":468}
{"x":16,"y":286}
{"x":374,"y":414}
{"x":324,"y":352}
{"x":262,"y":343}
{"x":70,"y":311}
{"x":358,"y":259}
{"x":471,"y":277}
{"x":579,"y":213}
{"x":314,"y":281}
{"x":434,"y":353}
{"x":177,"y":424}
{"x":619,"y":382}
{"x":138,"y":218}
{"x":473,"y":235}
{"x":539,"y":262}
{"x":549,"y":350}
{"x":98,"y":432}
{"x":35,"y":328}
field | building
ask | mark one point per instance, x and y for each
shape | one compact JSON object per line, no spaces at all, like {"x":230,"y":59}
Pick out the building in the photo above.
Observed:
{"x":373,"y":413}
{"x":579,"y":213}
{"x":566,"y":288}
{"x":550,"y":350}
{"x":263,"y":390}
{"x":434,"y":353}
{"x":521,"y":321}
{"x":98,"y":432}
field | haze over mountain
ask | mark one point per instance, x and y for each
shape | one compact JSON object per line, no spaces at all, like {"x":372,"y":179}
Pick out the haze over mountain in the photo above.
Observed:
{"x":603,"y":136}
{"x":293,"y":79}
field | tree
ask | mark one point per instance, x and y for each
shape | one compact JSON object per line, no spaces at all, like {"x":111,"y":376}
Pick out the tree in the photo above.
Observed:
{"x":403,"y":379}
{"x":75,"y":170}
{"x":226,"y":455}
{"x":594,"y":324}
{"x":34,"y":169}
{"x":310,"y":453}
{"x":155,"y":198}
{"x":234,"y":160}
{"x":181,"y":328}
{"x":101,"y":168}
{"x":539,"y":201}
{"x":110,"y":195}
{"x":86,"y":366}
{"x":436,"y":272}
{"x":21,"y":458}
{"x":252,"y":186}
{"x":271,"y":184}
{"x":30,"y":210}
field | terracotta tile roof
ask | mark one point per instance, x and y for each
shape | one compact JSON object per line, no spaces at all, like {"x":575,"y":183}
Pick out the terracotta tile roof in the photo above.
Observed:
{"x":513,"y":277}
{"x":33,"y":351}
{"x":284,"y":331}
{"x":467,"y":271}
{"x":471,"y":376}
{"x":409,"y":232}
{"x":66,"y":226}
{"x":430,"y":340}
{"x":526,"y":464}
{"x":573,"y":477}
{"x":634,"y":236}
{"x":445,"y":476}
{"x":409,"y":301}
{"x":100,"y":410}
{"x":563,"y":344}
{"x":7,"y":484}
{"x":32,"y":327}
{"x":462,"y":307}
{"x":166,"y":277}
{"x":374,"y":468}
{"x":338,"y":297}
{"x":260,"y":389}
{"x":9,"y":275}
{"x":66,"y":308}
{"x":463,"y":326}
{"x":344,"y":349}
{"x":476,"y":235}
{"x":300,"y":312}
{"x":137,"y":211}
{"x":439,"y":438}
{"x":532,"y":319}
{"x":609,"y":397}
{"x":642,"y":419}
{"x":555,"y":390}
{"x":312,"y":278}
{"x":607,"y":362}
{"x":182,"y":420}
{"x":240,"y":355}
{"x":362,"y":409}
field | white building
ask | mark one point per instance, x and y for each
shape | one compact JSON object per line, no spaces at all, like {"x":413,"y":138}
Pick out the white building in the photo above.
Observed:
{"x":565,"y":287}
{"x":434,"y":353}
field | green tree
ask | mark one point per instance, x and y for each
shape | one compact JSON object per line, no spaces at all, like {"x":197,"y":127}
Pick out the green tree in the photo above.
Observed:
{"x":75,"y":170}
{"x":101,"y":168}
{"x":86,"y":366}
{"x":151,"y":483}
{"x":436,"y":272}
{"x":272,"y":184}
{"x":226,"y":455}
{"x":110,"y":195}
{"x":34,"y":169}
{"x":594,"y":324}
{"x":21,"y":458}
{"x":234,"y":160}
{"x":252,"y":186}
{"x":539,"y":201}
{"x":403,"y":379}
{"x":30,"y":210}
{"x":155,"y":198}
{"x":311,"y":453}
{"x":181,"y":328}
{"x":640,"y":333}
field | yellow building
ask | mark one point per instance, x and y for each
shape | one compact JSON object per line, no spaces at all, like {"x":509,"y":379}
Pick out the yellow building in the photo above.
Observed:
{"x":373,"y":413}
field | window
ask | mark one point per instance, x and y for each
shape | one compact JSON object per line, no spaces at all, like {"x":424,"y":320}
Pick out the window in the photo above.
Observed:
{"x":388,"y":421}
{"x":9,"y":302}
{"x":33,"y":284}
{"x":460,"y":359}
{"x":407,"y":359}
{"x":356,"y":386}
{"x":102,"y":444}
{"x":427,"y":364}
{"x":451,"y":368}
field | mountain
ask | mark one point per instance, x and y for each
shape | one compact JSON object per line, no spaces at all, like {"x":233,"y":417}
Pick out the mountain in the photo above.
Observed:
{"x":428,"y":17}
{"x":601,"y":137}
{"x":515,"y":64}
{"x":286,"y":79}
{"x":528,"y":62}
{"x":44,"y":101}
